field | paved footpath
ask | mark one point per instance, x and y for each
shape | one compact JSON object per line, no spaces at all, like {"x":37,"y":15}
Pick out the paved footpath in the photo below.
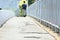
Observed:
{"x":23,"y":28}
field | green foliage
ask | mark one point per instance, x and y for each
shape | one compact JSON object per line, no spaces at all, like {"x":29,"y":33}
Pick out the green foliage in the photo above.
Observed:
{"x":30,"y":2}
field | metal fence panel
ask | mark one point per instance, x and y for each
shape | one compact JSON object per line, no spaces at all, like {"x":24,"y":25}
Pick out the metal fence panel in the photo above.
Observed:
{"x":48,"y":10}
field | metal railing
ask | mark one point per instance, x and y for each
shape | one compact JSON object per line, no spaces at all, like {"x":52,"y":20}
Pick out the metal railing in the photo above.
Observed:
{"x":48,"y":12}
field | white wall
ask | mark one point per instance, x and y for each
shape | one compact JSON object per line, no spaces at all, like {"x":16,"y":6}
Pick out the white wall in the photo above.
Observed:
{"x":5,"y":15}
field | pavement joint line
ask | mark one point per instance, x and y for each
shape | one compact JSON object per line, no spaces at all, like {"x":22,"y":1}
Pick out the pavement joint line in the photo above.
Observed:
{"x":33,"y":33}
{"x":32,"y":37}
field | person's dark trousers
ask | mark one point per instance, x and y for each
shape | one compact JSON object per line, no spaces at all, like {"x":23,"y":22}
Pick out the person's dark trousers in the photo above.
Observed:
{"x":24,"y":11}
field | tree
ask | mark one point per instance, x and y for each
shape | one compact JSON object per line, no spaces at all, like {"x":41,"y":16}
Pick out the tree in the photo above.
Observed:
{"x":30,"y":2}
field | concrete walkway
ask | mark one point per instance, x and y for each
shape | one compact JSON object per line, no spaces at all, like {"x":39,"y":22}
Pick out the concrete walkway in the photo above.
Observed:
{"x":23,"y":28}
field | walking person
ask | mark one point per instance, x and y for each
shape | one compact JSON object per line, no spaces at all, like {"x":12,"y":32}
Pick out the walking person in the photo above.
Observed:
{"x":24,"y":6}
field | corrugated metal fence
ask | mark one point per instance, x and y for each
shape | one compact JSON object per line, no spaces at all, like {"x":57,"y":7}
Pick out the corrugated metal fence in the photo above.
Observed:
{"x":46,"y":10}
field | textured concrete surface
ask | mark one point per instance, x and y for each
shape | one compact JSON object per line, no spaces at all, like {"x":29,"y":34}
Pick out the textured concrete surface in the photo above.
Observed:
{"x":23,"y":28}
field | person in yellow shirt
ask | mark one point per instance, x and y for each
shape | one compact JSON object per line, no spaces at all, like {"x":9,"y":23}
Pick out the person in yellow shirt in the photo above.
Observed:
{"x":21,"y":7}
{"x":24,"y":6}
